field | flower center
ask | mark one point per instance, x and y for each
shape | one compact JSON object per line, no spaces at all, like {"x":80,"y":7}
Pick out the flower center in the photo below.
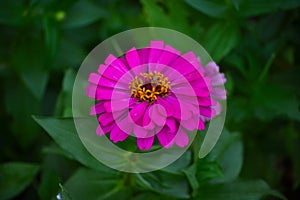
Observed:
{"x":149,"y":86}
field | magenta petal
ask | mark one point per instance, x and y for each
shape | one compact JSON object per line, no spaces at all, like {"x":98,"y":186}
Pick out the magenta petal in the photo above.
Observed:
{"x":138,"y":111}
{"x":94,"y":78}
{"x":172,"y":50}
{"x":169,"y":108}
{"x":201,"y":125}
{"x":101,"y":68}
{"x":117,"y":134}
{"x":147,"y":122}
{"x":191,"y":58}
{"x":211,"y":68}
{"x":165,"y":138}
{"x":140,"y":132}
{"x":181,"y":138}
{"x":182,"y":66}
{"x":145,"y":143}
{"x":217,"y":108}
{"x":125,"y":125}
{"x":116,"y":105}
{"x":171,"y":123}
{"x":99,"y":131}
{"x":106,"y":119}
{"x":167,"y":57}
{"x":97,"y":109}
{"x":114,"y":73}
{"x":132,"y":58}
{"x":154,"y":55}
{"x":193,"y":78}
{"x":91,"y":91}
{"x":156,"y":116}
{"x":206,"y":111}
{"x":189,"y":91}
{"x":105,"y":82}
{"x":180,"y":111}
{"x":110,"y":58}
{"x":157,"y":44}
{"x":219,"y":93}
{"x":103,"y":93}
{"x":144,"y":55}
{"x":120,"y":64}
{"x":206,"y":101}
{"x":218,"y":79}
{"x":190,"y":124}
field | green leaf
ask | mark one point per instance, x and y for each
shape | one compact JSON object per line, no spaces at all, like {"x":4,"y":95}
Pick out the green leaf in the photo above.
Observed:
{"x":15,"y":177}
{"x":148,"y":196}
{"x":165,"y":14}
{"x":180,"y":164}
{"x":64,"y":102}
{"x":89,"y":184}
{"x":207,"y":171}
{"x":213,"y":8}
{"x":70,"y":55}
{"x":228,"y":152}
{"x":52,"y":37}
{"x":64,"y":134}
{"x":239,"y":190}
{"x":29,"y":61}
{"x":55,"y":149}
{"x":20,"y":104}
{"x":166,"y":183}
{"x":48,"y":186}
{"x":11,"y":12}
{"x":248,"y":8}
{"x":284,"y":102}
{"x":220,"y":39}
{"x":83,"y":13}
{"x":190,"y":173}
{"x":64,"y":194}
{"x":36,"y":81}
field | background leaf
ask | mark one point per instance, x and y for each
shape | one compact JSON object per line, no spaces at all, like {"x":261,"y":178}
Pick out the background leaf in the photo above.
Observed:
{"x":88,"y":184}
{"x":240,"y":190}
{"x":212,"y":8}
{"x":82,"y":13}
{"x":15,"y":177}
{"x":220,"y":39}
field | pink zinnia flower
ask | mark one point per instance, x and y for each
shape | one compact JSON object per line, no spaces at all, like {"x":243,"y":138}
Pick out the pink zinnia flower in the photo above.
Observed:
{"x":155,"y":92}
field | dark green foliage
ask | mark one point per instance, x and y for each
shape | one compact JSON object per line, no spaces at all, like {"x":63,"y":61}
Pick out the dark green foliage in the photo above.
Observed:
{"x":256,"y":44}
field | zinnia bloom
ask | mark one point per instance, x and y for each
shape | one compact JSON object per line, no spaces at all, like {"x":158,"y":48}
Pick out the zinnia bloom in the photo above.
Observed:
{"x":155,"y":92}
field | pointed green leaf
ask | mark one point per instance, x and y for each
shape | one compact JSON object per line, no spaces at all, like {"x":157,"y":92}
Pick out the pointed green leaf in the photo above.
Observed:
{"x":64,"y":134}
{"x":220,"y":39}
{"x":15,"y":177}
{"x":36,"y":81}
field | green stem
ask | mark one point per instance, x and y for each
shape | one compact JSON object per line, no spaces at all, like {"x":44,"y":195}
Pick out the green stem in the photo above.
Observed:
{"x":267,"y":67}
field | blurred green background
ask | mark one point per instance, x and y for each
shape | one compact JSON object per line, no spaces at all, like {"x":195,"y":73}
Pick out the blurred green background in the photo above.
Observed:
{"x":255,"y":42}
